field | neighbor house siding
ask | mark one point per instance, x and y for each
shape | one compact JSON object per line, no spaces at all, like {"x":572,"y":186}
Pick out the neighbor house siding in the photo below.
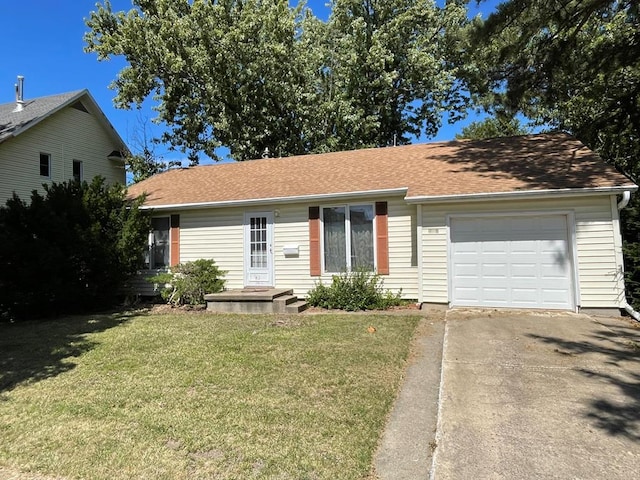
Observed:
{"x":68,"y":135}
{"x":598,"y":275}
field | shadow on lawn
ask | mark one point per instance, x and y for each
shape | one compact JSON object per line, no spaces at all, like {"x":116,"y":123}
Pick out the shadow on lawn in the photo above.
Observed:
{"x":37,"y":350}
{"x":620,"y":347}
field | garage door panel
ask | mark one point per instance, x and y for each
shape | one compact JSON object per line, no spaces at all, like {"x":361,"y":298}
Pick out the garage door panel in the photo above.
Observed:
{"x":557,"y":296}
{"x":467,"y":271}
{"x":524,"y":270}
{"x":495,"y":247}
{"x":524,"y":295}
{"x":495,"y":271}
{"x":552,"y":270}
{"x":495,"y":295}
{"x":511,"y":261}
{"x":467,"y":294}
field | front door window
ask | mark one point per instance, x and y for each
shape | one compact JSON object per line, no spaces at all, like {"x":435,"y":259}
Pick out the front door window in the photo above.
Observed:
{"x":258,"y":247}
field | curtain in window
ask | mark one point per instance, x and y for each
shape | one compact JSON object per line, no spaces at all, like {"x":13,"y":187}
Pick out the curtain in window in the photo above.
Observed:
{"x":361,"y":217}
{"x":335,"y":239}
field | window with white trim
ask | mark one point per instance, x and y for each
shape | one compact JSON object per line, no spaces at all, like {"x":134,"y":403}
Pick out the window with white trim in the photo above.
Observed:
{"x":158,"y":254}
{"x":348,"y":238}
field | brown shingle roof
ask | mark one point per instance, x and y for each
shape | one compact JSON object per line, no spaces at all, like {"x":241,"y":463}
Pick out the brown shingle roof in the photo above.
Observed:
{"x":501,"y":165}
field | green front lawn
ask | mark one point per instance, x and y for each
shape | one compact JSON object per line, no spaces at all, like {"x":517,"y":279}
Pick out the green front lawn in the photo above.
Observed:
{"x":199,"y":396}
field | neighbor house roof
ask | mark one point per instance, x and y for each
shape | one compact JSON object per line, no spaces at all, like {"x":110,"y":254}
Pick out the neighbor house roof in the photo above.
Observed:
{"x":511,"y":166}
{"x":35,"y":110}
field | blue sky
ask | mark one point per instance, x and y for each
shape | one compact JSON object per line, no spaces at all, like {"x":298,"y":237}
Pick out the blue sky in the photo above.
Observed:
{"x":42,"y":41}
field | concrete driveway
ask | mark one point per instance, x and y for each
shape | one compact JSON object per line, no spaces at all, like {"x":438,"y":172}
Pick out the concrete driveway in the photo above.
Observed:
{"x":538,"y":396}
{"x":511,"y":395}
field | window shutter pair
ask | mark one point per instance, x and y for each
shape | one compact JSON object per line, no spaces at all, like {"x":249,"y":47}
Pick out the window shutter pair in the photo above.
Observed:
{"x":382,"y":240}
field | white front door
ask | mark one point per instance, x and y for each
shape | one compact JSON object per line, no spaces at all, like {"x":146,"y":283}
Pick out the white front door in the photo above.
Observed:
{"x":258,"y":249}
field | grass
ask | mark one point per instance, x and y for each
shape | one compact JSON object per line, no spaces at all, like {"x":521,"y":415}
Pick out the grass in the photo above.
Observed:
{"x":199,"y":396}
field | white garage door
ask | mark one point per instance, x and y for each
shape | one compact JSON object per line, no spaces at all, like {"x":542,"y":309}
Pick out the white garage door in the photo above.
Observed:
{"x":518,"y":262}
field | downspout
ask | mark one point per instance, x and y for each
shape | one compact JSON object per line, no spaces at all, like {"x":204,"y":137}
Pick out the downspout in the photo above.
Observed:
{"x":626,"y":196}
{"x":419,"y":254}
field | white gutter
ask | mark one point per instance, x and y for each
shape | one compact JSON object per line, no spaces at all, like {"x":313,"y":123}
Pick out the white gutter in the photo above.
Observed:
{"x":263,"y":201}
{"x":626,"y":196}
{"x":521,"y":194}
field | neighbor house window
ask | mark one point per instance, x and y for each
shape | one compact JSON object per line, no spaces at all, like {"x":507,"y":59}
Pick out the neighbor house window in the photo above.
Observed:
{"x":158,"y":256}
{"x":77,"y":170}
{"x":45,"y":165}
{"x":348,"y":237}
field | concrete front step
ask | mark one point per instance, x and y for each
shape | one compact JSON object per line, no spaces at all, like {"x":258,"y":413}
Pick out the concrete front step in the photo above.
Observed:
{"x":297,"y":307}
{"x":255,"y":300}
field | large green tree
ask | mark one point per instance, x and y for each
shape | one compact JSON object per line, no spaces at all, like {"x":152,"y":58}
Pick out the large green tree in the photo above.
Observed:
{"x":387,"y":72}
{"x":492,"y":127}
{"x":222,"y":72}
{"x":572,"y":65}
{"x":258,"y":76}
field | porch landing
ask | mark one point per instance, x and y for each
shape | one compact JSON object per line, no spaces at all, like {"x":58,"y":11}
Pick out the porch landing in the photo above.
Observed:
{"x":255,"y":300}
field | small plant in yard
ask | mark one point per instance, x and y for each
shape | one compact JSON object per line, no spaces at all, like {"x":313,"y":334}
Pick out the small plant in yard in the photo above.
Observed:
{"x":189,"y":282}
{"x":356,"y":290}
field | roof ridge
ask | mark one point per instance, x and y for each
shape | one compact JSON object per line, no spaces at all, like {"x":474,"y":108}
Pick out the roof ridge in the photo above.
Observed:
{"x":44,"y":97}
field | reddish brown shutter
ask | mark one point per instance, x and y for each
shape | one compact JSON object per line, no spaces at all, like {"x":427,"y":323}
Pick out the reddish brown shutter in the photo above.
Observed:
{"x":382,"y":238}
{"x":174,"y":238}
{"x":315,"y":266}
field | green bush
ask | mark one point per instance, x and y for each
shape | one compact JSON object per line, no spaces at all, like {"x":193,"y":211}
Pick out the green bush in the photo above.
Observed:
{"x":189,"y":282}
{"x":68,"y":250}
{"x":357,"y":290}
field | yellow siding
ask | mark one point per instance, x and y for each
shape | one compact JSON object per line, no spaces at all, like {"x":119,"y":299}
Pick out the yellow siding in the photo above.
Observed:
{"x":599,"y":280}
{"x":292,"y":228}
{"x":68,"y":135}
{"x":218,"y":234}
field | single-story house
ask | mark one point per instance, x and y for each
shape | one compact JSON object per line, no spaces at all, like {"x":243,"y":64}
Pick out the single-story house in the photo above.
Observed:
{"x":522,"y":222}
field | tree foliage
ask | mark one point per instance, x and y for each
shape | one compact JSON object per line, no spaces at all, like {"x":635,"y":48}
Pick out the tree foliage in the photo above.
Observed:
{"x":385,"y":70}
{"x":69,"y":249}
{"x":259,"y":76}
{"x":143,"y":162}
{"x":493,"y":127}
{"x":573,"y":65}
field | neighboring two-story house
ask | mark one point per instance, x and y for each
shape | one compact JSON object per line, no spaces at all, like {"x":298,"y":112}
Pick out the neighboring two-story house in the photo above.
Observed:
{"x":55,"y":139}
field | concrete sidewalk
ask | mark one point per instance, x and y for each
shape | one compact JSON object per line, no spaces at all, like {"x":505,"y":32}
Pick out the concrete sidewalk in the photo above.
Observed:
{"x":539,"y":396}
{"x":406,"y":449}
